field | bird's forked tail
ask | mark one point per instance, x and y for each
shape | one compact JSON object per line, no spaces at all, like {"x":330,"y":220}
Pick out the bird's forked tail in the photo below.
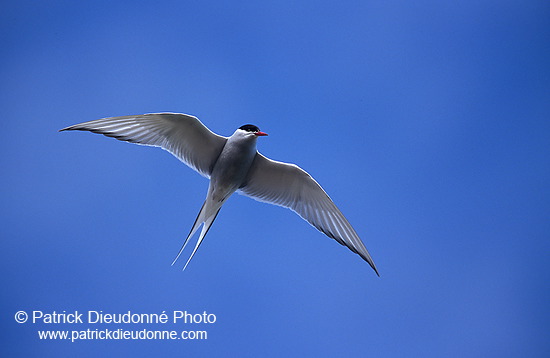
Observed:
{"x":202,"y":218}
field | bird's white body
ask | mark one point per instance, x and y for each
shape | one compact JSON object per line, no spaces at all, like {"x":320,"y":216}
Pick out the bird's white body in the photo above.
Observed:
{"x":232,"y":164}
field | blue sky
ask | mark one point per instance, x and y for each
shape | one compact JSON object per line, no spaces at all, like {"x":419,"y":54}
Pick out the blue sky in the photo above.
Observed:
{"x":427,"y":122}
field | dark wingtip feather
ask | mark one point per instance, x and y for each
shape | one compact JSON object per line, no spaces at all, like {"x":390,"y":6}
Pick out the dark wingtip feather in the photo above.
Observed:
{"x":69,"y":128}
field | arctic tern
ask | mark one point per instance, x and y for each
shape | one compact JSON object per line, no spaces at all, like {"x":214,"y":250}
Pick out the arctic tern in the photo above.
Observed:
{"x":232,"y":164}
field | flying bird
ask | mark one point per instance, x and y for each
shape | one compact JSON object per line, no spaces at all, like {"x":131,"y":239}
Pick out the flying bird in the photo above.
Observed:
{"x":233,"y":165}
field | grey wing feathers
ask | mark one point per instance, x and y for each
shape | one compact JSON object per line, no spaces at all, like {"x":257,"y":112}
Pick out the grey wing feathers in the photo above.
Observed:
{"x":182,"y":135}
{"x":290,"y":186}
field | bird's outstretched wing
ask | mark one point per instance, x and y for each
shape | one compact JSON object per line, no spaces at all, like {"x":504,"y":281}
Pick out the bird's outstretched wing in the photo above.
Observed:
{"x":290,"y":186}
{"x":182,"y":135}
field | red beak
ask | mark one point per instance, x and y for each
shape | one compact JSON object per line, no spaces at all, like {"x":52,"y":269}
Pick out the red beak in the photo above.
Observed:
{"x":260,"y":134}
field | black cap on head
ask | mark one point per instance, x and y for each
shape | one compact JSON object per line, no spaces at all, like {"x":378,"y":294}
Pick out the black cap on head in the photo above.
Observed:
{"x":250,"y":128}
